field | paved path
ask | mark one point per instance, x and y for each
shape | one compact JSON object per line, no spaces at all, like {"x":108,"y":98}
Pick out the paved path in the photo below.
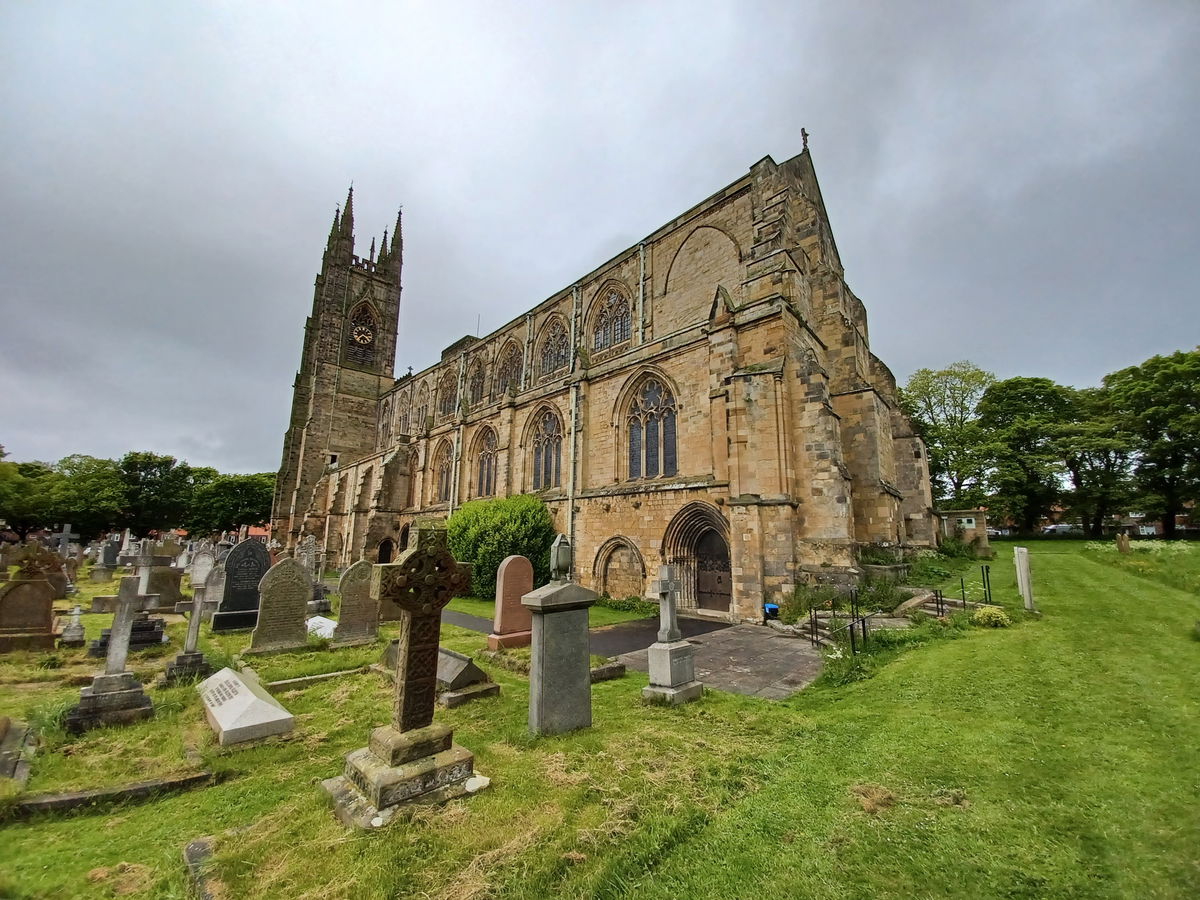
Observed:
{"x":750,"y":660}
{"x":469,"y":622}
{"x":624,"y":637}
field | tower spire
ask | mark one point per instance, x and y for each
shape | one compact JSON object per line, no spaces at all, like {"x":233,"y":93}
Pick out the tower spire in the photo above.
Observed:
{"x":371,"y":255}
{"x":335,"y":228}
{"x":383,"y":250}
{"x":348,"y":215}
{"x":396,"y":253}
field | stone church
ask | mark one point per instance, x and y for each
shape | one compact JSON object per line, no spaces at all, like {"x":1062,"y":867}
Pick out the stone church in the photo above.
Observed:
{"x":707,"y":397}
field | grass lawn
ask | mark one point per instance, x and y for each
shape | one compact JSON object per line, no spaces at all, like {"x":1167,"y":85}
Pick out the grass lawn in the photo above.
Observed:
{"x":597,"y":615}
{"x":1056,"y":758}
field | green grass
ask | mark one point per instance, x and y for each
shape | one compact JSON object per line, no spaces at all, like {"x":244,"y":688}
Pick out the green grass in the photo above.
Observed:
{"x":598,"y":616}
{"x":1056,"y":758}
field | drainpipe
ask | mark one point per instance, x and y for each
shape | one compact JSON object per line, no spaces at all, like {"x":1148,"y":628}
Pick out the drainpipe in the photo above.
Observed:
{"x":642,"y":292}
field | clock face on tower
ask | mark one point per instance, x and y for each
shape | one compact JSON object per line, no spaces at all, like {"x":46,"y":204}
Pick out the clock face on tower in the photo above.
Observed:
{"x":363,"y":335}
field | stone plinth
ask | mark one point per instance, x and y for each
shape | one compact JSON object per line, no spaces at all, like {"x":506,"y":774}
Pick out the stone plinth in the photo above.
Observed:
{"x":560,"y":679}
{"x":110,"y":700}
{"x":146,"y":632}
{"x":671,"y":659}
{"x":513,"y":626}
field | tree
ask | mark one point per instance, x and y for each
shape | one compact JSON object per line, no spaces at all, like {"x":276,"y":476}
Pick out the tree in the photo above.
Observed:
{"x":90,"y":494}
{"x":1023,"y":418}
{"x":1097,"y":453}
{"x":223,"y":502}
{"x":484,"y":532}
{"x":943,"y":407}
{"x":158,"y":490}
{"x":1158,"y":403}
{"x":27,"y":496}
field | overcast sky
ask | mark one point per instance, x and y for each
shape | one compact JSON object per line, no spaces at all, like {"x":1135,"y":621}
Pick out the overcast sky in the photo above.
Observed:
{"x":1011,"y":183}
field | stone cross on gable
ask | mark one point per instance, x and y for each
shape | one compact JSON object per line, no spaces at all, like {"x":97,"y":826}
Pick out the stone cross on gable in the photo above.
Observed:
{"x":420,"y":582}
{"x":667,"y":587}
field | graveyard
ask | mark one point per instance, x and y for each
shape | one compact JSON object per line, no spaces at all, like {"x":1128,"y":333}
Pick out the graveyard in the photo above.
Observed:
{"x":1055,"y":757}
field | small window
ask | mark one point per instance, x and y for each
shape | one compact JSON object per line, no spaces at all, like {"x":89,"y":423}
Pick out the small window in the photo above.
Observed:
{"x":966,"y":523}
{"x":333,"y":458}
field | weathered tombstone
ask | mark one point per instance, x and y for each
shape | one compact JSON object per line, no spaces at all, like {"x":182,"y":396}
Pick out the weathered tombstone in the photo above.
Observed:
{"x":165,"y":584}
{"x":1024,"y":579}
{"x":214,"y":589}
{"x":413,"y":760}
{"x":190,"y":664}
{"x":63,"y":539}
{"x":71,"y":567}
{"x":460,"y":680}
{"x":245,"y":567}
{"x":560,"y":682}
{"x":285,"y":590}
{"x":513,"y":625}
{"x":239,"y":708}
{"x":27,"y":610}
{"x":322,"y":627}
{"x":358,"y":622}
{"x":115,"y":697}
{"x":671,"y":658}
{"x":1123,"y":543}
{"x":202,"y":563}
{"x":127,"y":586}
{"x":73,"y":634}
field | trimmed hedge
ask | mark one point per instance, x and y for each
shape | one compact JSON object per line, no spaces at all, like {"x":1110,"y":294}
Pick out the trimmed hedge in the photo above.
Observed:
{"x":484,"y":532}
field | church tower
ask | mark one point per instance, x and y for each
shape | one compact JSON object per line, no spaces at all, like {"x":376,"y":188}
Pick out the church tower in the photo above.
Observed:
{"x":346,"y":365}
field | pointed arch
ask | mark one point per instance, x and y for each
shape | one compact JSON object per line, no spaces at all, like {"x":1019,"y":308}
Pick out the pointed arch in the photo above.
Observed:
{"x":477,"y":380}
{"x":484,"y":454}
{"x":700,"y":233}
{"x":619,"y":569}
{"x":447,"y":394}
{"x":362,"y":334}
{"x":697,"y":541}
{"x":420,"y":411}
{"x":543,"y":439}
{"x":553,"y":347}
{"x":648,"y":423}
{"x":443,"y":471}
{"x":610,"y":317}
{"x":509,"y":365}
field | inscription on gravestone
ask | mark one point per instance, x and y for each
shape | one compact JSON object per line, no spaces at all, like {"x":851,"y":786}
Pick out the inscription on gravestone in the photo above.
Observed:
{"x":245,"y":567}
{"x":284,"y":590}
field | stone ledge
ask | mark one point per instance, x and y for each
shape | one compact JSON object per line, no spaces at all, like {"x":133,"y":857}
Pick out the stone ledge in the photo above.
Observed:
{"x":451,"y":699}
{"x":608,"y":672}
{"x":140,"y":790}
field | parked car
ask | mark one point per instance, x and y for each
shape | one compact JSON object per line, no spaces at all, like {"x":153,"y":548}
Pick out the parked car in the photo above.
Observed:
{"x":1063,"y":528}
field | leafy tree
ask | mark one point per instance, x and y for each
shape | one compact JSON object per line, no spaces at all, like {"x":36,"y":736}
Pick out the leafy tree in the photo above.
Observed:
{"x":223,"y":502}
{"x":1024,"y":417}
{"x":27,"y":496}
{"x":943,"y":406}
{"x":158,"y":490}
{"x":1158,"y":403}
{"x":90,"y":494}
{"x":1097,"y":453}
{"x":484,"y":532}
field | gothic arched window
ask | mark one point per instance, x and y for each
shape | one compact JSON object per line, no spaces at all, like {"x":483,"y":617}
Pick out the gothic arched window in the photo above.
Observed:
{"x":402,"y":416}
{"x":362,"y":336}
{"x":385,"y":422}
{"x":443,"y":469}
{"x":486,"y":469}
{"x":508,"y":371}
{"x":447,"y":395}
{"x":410,"y":498}
{"x":555,"y":348}
{"x":613,"y":323}
{"x":421,"y":410}
{"x":475,"y":382}
{"x":651,"y":424}
{"x":547,"y":451}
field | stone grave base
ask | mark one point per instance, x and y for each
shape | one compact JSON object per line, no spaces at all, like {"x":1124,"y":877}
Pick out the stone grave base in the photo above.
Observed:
{"x":186,"y":667}
{"x":241,"y":620}
{"x":17,"y":744}
{"x":351,"y":642}
{"x":146,"y":633}
{"x":43,"y":640}
{"x":451,"y":699}
{"x":399,"y":772}
{"x":101,"y":574}
{"x":512,"y":639}
{"x":111,"y":700}
{"x":673,"y":696}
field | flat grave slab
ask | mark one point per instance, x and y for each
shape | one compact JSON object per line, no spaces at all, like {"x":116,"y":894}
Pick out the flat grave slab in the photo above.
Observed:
{"x":239,"y":708}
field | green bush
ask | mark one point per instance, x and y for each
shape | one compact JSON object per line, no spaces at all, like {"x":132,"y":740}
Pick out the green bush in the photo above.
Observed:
{"x":484,"y":532}
{"x":880,"y":593}
{"x":629,"y":604}
{"x":874,"y":555}
{"x":956,"y":549}
{"x":809,"y":596}
{"x":928,"y":570}
{"x":990,"y":617}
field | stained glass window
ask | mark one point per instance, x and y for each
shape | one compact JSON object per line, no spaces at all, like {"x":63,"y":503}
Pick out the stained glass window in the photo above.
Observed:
{"x":508,"y":371}
{"x":613,"y":322}
{"x":447,"y":395}
{"x":555,"y":348}
{"x":486,"y":486}
{"x":475,"y":383}
{"x":402,"y":415}
{"x":443,"y":473}
{"x":651,"y":422}
{"x":421,"y":409}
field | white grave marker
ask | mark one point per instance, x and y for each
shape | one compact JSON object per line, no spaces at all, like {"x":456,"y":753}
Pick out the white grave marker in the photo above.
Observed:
{"x":240,"y":709}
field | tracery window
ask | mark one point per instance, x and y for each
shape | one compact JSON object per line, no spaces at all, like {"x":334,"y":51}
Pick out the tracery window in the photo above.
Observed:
{"x":486,"y":485}
{"x":447,"y":395}
{"x":402,"y":416}
{"x":385,"y":421}
{"x":410,"y":498}
{"x":475,"y":383}
{"x":613,"y":322}
{"x":421,"y":409}
{"x":651,"y":425}
{"x":443,"y":470}
{"x":555,"y":348}
{"x":547,"y":451}
{"x":508,"y":371}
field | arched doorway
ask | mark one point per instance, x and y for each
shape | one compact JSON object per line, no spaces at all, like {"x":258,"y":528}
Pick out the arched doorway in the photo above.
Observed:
{"x":697,"y":541}
{"x":403,"y":542}
{"x":714,"y":582}
{"x":386,"y":549}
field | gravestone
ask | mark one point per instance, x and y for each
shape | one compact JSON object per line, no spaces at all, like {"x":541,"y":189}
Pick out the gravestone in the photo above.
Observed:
{"x":412,"y":761}
{"x":190,"y":664}
{"x":239,"y":708}
{"x":164,"y":583}
{"x":114,"y":697}
{"x":560,"y":675}
{"x":671,"y":658}
{"x":1123,"y":543}
{"x":358,"y":622}
{"x":202,"y":563}
{"x":73,"y":634}
{"x":322,"y":627}
{"x":245,"y":567}
{"x":26,"y":613}
{"x":513,"y":623}
{"x":214,"y":589}
{"x":1024,"y":578}
{"x":285,"y":591}
{"x":127,"y":586}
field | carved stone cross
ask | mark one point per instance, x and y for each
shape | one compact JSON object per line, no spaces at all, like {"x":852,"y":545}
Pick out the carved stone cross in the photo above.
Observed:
{"x":63,"y":538}
{"x":667,"y":587}
{"x":422,"y":580}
